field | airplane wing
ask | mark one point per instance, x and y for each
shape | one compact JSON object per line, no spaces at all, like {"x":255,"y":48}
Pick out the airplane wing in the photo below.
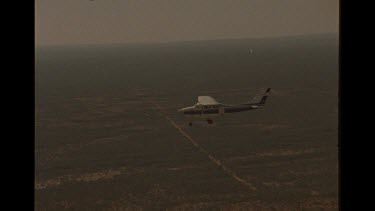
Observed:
{"x":207,"y":100}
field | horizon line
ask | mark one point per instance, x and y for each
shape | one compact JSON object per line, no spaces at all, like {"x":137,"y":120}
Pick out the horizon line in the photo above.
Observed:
{"x":180,"y":41}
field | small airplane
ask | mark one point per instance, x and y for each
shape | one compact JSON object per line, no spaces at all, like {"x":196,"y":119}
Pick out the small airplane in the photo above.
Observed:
{"x":208,"y":107}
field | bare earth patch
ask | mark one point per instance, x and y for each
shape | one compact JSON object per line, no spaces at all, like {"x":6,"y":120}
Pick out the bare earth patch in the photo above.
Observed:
{"x":285,"y":152}
{"x":89,"y":177}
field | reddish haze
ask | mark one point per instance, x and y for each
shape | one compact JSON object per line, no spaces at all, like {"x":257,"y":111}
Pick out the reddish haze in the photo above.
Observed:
{"x":123,"y":21}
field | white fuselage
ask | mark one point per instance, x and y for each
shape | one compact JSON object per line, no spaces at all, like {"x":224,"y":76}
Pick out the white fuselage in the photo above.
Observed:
{"x":203,"y":111}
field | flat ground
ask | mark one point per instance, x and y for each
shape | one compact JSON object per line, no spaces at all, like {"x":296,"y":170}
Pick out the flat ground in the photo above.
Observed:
{"x":102,"y":142}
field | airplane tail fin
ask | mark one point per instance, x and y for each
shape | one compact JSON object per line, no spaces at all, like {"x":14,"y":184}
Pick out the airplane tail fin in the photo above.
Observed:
{"x":263,"y":96}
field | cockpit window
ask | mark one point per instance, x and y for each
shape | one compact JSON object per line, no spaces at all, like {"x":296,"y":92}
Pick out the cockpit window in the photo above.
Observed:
{"x":211,"y":106}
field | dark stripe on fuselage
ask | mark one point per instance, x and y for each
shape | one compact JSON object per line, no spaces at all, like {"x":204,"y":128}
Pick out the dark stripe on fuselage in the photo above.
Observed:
{"x":227,"y":109}
{"x":211,"y":111}
{"x":236,"y":109}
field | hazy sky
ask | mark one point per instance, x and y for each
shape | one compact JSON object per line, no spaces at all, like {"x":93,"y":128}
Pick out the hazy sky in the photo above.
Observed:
{"x":124,"y":21}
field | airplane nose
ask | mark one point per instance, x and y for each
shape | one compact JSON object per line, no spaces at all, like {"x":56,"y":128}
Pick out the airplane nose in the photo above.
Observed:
{"x":183,"y":109}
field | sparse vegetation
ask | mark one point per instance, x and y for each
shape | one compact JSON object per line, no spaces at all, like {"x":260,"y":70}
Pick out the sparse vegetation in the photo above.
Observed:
{"x":100,"y":146}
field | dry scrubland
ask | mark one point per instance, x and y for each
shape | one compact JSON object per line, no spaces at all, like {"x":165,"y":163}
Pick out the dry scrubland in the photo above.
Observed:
{"x":103,"y":144}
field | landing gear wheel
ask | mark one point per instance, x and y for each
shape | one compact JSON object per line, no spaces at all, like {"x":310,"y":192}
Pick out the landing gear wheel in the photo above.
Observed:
{"x":210,"y":121}
{"x":190,"y":124}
